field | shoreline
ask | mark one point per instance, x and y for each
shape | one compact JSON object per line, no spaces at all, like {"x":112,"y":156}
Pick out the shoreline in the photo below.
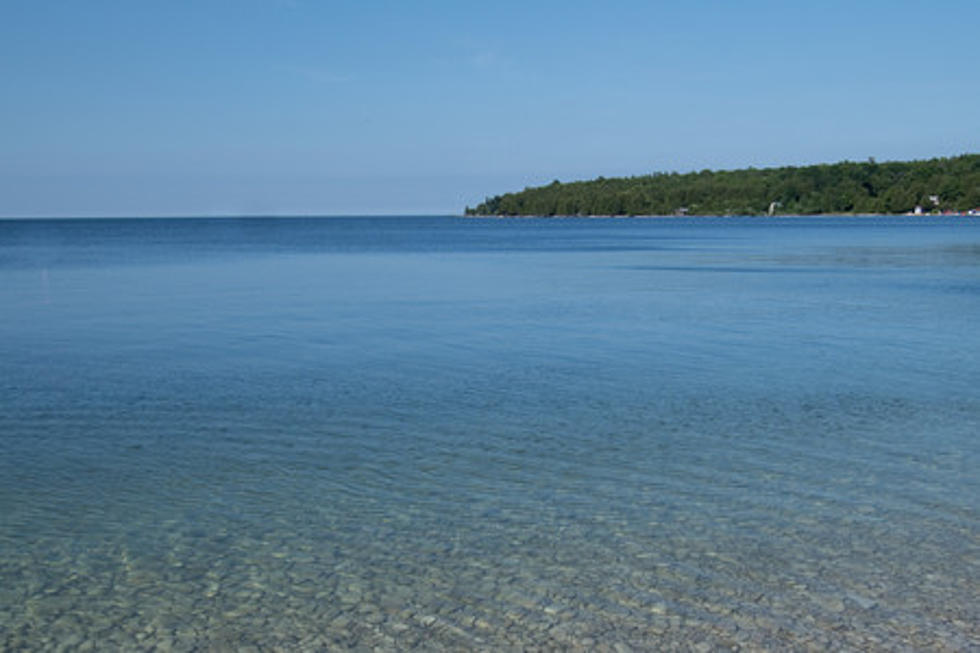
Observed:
{"x":740,"y":216}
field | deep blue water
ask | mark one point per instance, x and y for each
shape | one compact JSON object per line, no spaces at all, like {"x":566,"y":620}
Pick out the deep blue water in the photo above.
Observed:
{"x":497,"y":434}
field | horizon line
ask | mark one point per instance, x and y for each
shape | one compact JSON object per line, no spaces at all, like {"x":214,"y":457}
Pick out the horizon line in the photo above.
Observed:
{"x":230,"y":216}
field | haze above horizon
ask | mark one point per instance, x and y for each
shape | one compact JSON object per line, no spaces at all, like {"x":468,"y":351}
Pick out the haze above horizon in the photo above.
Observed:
{"x":300,"y":107}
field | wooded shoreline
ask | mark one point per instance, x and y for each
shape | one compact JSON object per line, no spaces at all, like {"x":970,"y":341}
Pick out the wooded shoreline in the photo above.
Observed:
{"x":937,"y":186}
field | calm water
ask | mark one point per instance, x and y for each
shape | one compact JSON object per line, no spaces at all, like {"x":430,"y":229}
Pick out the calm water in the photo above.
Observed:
{"x":484,"y":434}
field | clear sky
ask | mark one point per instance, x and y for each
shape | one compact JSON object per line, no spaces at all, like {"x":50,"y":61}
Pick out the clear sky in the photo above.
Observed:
{"x":172,"y":107}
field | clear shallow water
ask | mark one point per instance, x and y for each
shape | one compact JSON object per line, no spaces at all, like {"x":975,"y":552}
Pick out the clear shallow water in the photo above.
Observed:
{"x":483,"y":434}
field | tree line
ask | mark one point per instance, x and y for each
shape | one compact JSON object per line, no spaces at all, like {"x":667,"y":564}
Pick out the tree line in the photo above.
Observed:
{"x":894,"y":187}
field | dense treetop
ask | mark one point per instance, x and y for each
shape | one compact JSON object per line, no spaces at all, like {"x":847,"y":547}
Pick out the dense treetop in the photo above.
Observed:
{"x":944,"y":184}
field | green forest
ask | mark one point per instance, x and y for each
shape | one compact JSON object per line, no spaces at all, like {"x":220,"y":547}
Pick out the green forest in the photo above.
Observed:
{"x":936,"y":186}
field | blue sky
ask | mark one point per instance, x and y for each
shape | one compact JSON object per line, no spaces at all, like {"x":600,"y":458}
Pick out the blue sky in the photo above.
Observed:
{"x":319,"y":107}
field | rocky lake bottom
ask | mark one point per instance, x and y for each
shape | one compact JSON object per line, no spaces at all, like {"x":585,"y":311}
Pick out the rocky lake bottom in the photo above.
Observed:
{"x":438,"y":434}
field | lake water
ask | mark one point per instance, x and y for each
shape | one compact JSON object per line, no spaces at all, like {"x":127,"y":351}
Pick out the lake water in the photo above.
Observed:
{"x":594,"y":434}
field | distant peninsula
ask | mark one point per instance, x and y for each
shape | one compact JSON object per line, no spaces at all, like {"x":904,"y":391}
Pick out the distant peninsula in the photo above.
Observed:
{"x":941,"y":185}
